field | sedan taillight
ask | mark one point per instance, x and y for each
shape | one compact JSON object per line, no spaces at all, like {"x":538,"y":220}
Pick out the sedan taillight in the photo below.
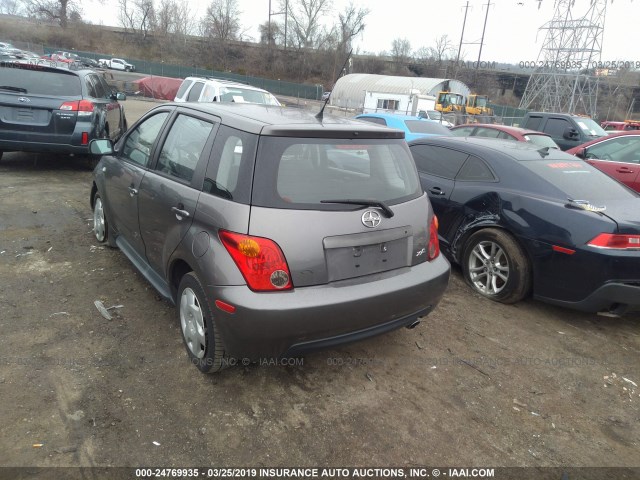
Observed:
{"x":616,"y":241}
{"x":260,"y":261}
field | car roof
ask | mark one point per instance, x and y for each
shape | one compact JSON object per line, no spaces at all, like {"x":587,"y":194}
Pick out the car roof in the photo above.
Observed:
{"x":281,"y":121}
{"x":503,"y":128}
{"x":494,"y":147}
{"x":224,"y":81}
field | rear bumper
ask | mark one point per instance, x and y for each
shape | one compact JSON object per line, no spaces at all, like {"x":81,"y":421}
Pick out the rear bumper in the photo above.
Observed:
{"x":615,"y":296}
{"x":281,"y":324}
{"x":42,"y":147}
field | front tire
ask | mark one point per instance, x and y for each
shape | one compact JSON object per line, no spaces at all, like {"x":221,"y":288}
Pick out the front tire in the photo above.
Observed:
{"x":101,"y":228}
{"x":496,"y":267}
{"x":198,"y":326}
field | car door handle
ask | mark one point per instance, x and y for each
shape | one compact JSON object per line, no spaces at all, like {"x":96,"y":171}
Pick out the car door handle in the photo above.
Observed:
{"x":133,"y":191}
{"x":436,"y":191}
{"x":624,"y":170}
{"x":180,"y":212}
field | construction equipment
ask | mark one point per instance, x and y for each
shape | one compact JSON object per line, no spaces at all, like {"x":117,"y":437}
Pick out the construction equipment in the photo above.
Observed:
{"x":449,"y":102}
{"x":478,"y":105}
{"x":454,"y":103}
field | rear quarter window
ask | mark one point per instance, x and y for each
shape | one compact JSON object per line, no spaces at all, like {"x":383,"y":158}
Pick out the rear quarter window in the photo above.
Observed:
{"x":298,"y":173}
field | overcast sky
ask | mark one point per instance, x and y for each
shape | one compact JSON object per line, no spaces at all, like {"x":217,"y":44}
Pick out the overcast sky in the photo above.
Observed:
{"x":511,"y":35}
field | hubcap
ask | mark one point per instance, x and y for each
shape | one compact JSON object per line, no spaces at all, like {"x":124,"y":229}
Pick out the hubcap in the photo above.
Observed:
{"x":488,"y":268}
{"x":192,"y":323}
{"x":98,"y":220}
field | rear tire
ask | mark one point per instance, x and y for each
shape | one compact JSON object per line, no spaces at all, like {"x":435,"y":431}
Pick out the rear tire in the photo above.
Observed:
{"x":496,"y":267}
{"x":198,"y":326}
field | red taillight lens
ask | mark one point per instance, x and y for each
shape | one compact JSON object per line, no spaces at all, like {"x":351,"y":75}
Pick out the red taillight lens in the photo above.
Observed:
{"x":616,"y":241}
{"x":83,"y":107}
{"x":85,"y":138}
{"x":433,"y":249}
{"x":260,"y":261}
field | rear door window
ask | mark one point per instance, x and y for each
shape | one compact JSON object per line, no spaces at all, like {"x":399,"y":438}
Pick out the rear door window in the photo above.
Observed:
{"x":194,"y":93}
{"x":475,"y":170}
{"x":533,"y":122}
{"x":299,"y":173}
{"x":438,"y":161}
{"x":183,"y":88}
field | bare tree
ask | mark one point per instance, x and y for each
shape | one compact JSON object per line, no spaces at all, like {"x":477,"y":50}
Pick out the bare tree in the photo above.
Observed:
{"x":276,"y":31}
{"x":222,"y":20}
{"x":11,"y":7}
{"x":58,"y":10}
{"x":351,"y":24}
{"x":137,"y":16}
{"x":400,"y":50}
{"x":305,"y":18}
{"x":443,"y":49}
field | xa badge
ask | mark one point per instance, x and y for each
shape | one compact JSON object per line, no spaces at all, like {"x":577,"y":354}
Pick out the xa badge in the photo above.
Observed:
{"x":23,"y":100}
{"x":371,"y":219}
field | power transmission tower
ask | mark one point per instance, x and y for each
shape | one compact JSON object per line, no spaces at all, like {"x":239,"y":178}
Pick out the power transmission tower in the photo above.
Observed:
{"x":564,"y":79}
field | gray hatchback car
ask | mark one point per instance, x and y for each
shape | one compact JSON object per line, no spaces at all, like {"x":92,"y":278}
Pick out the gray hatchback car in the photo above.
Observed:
{"x":274,"y":232}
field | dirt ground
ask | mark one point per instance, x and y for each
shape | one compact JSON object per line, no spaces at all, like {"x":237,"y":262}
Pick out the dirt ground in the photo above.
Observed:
{"x":476,"y":384}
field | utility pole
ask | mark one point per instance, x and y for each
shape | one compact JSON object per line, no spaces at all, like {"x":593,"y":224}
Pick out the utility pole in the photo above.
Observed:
{"x":286,"y":16}
{"x":464,"y":23}
{"x":483,"y":30}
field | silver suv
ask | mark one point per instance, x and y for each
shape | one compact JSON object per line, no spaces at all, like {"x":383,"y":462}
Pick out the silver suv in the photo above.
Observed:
{"x":274,"y":232}
{"x":199,"y":89}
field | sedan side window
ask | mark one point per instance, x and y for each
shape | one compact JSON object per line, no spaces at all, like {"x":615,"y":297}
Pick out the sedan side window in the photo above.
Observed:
{"x":475,"y":170}
{"x":462,"y":132}
{"x":487,"y":132}
{"x":438,"y":161}
{"x":182,"y":148}
{"x":617,"y":149}
{"x":137,"y":147}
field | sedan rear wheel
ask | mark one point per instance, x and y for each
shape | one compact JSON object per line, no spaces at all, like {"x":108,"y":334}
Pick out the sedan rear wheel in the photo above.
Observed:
{"x":199,"y":330}
{"x":495,"y":266}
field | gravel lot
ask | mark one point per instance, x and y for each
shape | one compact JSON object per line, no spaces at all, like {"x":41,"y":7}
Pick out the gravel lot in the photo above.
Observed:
{"x":476,"y":384}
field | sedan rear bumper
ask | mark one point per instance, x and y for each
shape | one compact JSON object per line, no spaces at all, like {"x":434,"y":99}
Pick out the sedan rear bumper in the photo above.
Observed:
{"x":281,"y":324}
{"x":42,"y":147}
{"x":615,"y":296}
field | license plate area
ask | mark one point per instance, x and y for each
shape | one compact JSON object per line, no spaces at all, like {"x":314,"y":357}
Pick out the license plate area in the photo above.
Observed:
{"x":351,"y":256}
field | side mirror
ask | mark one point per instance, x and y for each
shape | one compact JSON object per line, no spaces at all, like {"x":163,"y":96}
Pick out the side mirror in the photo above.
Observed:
{"x":121,"y":96}
{"x":570,"y":133}
{"x":581,"y":153}
{"x":102,"y":146}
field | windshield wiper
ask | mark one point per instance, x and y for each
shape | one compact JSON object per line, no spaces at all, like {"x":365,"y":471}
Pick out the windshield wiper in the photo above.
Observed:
{"x":13,"y":89}
{"x":370,"y":203}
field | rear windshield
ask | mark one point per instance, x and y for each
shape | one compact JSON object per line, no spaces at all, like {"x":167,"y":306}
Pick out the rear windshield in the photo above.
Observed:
{"x":298,"y":173}
{"x":542,"y":140}
{"x":427,"y":126}
{"x":579,"y":180}
{"x":35,"y":80}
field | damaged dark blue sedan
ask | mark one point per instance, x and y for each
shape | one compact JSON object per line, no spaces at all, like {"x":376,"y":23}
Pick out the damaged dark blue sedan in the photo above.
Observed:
{"x":522,"y":220}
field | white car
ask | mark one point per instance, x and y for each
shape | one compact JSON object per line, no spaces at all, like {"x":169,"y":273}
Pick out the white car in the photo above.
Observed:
{"x":117,"y":64}
{"x":199,"y":89}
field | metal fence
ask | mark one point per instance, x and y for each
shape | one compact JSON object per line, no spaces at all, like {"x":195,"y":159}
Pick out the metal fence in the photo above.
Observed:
{"x":277,"y":87}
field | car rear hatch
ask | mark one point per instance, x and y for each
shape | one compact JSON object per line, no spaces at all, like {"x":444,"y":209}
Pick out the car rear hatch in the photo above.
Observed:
{"x":38,"y":104}
{"x":339,"y":208}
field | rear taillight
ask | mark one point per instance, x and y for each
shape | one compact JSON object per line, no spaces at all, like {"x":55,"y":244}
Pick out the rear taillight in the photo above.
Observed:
{"x":260,"y":261}
{"x":616,"y":241}
{"x":83,"y":107}
{"x":433,"y":248}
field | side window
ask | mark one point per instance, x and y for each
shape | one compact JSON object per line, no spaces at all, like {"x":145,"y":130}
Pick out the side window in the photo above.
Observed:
{"x":209,"y":93}
{"x":105,"y":86}
{"x":487,"y":132}
{"x":183,"y":88}
{"x":137,"y":147}
{"x":476,"y":170}
{"x":229,"y":172}
{"x":183,"y":147}
{"x":376,"y":120}
{"x":533,"y":123}
{"x":506,"y":136}
{"x":617,"y":149}
{"x":556,"y":126}
{"x":438,"y":161}
{"x":91,"y":86}
{"x":462,"y":132}
{"x":194,"y":94}
{"x":100,"y":93}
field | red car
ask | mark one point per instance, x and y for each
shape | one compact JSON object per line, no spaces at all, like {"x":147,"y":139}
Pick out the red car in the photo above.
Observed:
{"x":490,"y":130}
{"x":617,"y":155}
